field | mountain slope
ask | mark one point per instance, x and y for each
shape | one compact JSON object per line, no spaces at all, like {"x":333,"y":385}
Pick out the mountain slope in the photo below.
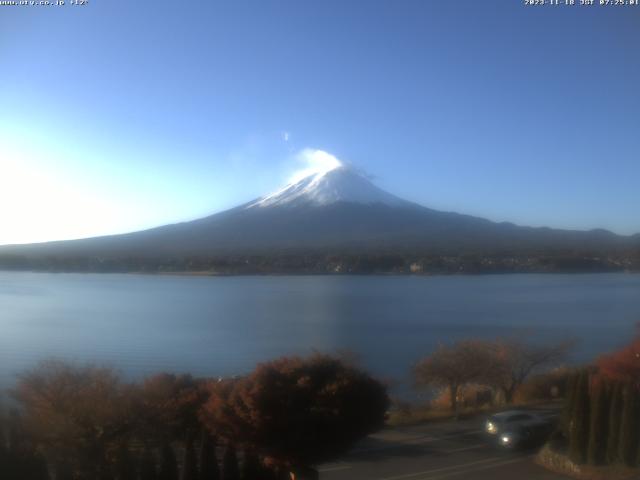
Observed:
{"x":336,"y":210}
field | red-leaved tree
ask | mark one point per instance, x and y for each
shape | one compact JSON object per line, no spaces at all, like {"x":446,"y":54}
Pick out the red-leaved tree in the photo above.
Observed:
{"x":298,"y":412}
{"x":622,"y":365}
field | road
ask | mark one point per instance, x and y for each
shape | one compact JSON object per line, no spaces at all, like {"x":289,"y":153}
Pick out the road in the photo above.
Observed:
{"x":437,"y":451}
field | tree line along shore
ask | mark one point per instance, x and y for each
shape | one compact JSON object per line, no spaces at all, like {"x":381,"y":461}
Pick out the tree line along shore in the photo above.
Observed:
{"x":338,"y":263}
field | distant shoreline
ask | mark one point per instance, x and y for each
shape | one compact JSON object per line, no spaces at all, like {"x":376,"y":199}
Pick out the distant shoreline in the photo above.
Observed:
{"x":327,"y":263}
{"x":328,"y":274}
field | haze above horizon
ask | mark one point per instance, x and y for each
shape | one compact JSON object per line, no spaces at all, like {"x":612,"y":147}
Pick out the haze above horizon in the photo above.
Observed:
{"x":120,"y":116}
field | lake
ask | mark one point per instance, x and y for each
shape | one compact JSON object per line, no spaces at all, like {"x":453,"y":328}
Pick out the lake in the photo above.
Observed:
{"x":143,"y":324}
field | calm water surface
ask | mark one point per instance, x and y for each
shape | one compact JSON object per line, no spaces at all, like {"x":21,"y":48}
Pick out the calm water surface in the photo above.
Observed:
{"x":220,"y":326}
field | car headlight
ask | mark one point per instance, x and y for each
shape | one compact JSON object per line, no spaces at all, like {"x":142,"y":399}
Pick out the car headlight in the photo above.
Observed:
{"x":505,"y":439}
{"x":491,"y":428}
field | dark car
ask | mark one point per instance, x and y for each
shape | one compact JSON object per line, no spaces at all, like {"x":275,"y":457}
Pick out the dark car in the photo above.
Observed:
{"x":517,"y":428}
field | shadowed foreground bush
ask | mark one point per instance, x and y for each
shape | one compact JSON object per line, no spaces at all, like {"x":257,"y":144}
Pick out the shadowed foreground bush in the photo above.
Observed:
{"x":86,"y":423}
{"x":298,"y":412}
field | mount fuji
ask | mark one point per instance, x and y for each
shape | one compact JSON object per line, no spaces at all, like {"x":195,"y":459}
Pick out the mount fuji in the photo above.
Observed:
{"x":334,"y":185}
{"x":334,"y":210}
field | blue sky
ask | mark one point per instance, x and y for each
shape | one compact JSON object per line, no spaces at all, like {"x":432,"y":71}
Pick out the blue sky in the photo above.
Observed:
{"x":121,"y":115}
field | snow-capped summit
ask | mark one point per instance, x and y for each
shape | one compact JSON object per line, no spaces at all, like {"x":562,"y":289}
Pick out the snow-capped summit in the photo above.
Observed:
{"x":339,"y":183}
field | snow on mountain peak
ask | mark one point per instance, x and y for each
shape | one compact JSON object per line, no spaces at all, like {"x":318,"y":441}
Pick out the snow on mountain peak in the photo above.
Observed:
{"x":327,"y":181}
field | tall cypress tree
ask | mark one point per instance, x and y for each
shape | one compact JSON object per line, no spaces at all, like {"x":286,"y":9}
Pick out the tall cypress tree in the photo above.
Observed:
{"x":579,"y":424}
{"x":27,"y":464}
{"x":147,"y":466}
{"x":189,"y":463}
{"x":628,"y":448}
{"x":615,"y":415}
{"x":38,"y":469}
{"x":208,"y":461}
{"x":597,"y":451}
{"x":252,"y":468}
{"x":569,"y":400}
{"x":63,"y":471}
{"x":230,"y":469}
{"x":124,"y":467}
{"x":4,"y":455}
{"x":638,"y":455}
{"x":168,"y":464}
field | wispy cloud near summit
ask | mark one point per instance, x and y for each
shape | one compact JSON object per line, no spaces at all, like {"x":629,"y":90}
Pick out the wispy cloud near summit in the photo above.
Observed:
{"x":314,"y":161}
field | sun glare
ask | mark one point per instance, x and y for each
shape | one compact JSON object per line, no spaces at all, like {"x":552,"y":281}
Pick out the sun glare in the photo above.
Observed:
{"x":38,"y":203}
